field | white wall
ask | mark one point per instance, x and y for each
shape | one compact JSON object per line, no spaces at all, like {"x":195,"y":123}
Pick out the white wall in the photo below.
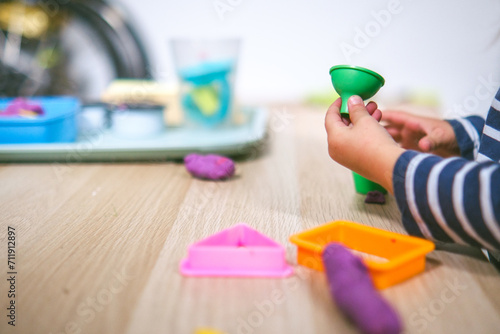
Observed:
{"x":450,"y":46}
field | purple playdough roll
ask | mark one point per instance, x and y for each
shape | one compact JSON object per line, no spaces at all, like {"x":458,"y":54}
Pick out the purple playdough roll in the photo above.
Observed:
{"x":353,"y":291}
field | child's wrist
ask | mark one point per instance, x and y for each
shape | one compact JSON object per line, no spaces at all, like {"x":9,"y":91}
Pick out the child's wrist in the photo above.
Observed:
{"x":383,"y":159}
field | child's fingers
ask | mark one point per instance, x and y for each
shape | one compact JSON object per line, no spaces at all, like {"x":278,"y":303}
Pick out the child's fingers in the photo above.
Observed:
{"x":357,"y":109}
{"x":333,"y":118}
{"x":377,"y":114}
{"x":394,"y":124}
{"x":373,"y":110}
{"x":432,"y":140}
{"x":371,"y":107}
{"x":416,"y":126}
{"x":391,"y":125}
{"x":394,"y":117}
{"x":425,"y":144}
{"x":395,"y":133}
{"x":337,"y":103}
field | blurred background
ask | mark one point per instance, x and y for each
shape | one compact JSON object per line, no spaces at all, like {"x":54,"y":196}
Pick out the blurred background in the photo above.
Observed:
{"x":428,"y":51}
{"x":441,"y":53}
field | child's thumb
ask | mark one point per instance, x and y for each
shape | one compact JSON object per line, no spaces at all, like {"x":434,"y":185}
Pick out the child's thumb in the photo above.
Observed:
{"x":356,"y":108}
{"x":431,"y":141}
{"x":425,"y":144}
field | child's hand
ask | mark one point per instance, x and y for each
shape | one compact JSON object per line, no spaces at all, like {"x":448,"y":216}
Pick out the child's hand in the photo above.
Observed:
{"x":422,"y":134}
{"x":362,"y":144}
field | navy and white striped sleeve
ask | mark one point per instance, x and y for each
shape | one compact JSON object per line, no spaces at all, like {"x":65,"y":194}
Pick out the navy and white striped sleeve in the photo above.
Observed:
{"x":468,"y":132}
{"x":449,"y":200}
{"x":489,"y":148}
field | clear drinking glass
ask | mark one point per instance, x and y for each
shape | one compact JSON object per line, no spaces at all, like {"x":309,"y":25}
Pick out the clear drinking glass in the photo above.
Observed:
{"x":206,"y":71}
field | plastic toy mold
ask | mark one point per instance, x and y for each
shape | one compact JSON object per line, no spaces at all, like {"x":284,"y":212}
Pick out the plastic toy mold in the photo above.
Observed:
{"x":405,"y":255}
{"x":354,"y":80}
{"x":237,"y":251}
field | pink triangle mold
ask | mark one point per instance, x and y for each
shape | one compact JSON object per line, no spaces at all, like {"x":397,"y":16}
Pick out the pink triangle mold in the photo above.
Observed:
{"x":239,"y":251}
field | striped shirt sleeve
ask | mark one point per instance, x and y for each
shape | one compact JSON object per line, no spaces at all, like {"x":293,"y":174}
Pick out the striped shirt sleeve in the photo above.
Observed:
{"x":489,"y":148}
{"x":449,"y":200}
{"x":468,"y":132}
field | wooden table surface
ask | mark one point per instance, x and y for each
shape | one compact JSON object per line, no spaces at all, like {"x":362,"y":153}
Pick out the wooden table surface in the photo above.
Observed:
{"x":97,"y":246}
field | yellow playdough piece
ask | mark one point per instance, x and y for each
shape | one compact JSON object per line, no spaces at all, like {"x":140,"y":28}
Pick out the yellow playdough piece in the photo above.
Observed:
{"x":206,"y":99}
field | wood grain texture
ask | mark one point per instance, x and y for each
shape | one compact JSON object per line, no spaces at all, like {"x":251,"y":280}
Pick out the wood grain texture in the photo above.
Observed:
{"x":98,"y":246}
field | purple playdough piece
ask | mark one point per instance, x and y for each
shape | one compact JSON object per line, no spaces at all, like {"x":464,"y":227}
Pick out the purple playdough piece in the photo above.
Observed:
{"x":353,"y":291}
{"x":211,"y":166}
{"x":375,"y":197}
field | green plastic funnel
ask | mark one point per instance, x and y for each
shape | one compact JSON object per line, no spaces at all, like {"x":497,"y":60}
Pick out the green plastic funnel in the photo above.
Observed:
{"x":354,"y":80}
{"x":364,"y":186}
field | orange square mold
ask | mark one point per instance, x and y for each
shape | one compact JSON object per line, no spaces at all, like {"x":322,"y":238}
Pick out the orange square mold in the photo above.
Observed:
{"x":405,"y":255}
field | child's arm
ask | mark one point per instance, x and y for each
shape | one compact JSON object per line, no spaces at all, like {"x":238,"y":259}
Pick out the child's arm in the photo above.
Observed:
{"x":451,"y":200}
{"x":468,"y":132}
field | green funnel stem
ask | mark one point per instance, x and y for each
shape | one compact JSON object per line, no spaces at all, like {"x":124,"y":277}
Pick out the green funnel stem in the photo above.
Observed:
{"x":344,"y":110}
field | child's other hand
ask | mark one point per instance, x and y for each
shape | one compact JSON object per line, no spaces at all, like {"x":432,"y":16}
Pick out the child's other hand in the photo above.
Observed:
{"x":361,"y":143}
{"x":422,"y":134}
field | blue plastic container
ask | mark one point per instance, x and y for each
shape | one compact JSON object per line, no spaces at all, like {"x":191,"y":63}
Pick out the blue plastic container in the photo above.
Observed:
{"x":57,"y":125}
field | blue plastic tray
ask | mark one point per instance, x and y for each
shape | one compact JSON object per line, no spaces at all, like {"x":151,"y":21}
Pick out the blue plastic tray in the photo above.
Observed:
{"x":57,"y":125}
